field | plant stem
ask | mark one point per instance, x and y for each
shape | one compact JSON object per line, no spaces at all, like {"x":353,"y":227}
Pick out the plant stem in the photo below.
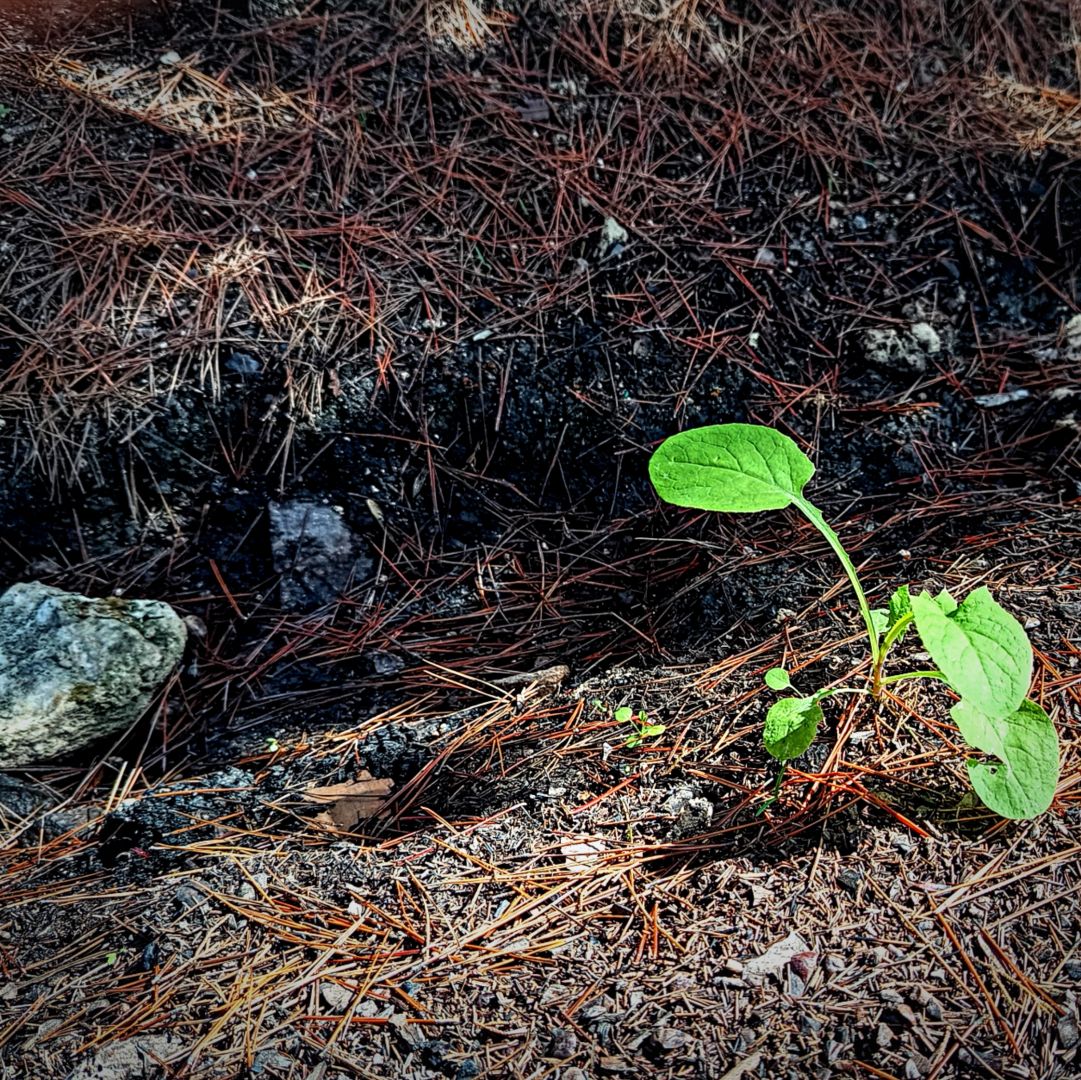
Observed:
{"x":823,"y":694}
{"x":814,"y":516}
{"x":879,"y":664}
{"x":901,"y":676}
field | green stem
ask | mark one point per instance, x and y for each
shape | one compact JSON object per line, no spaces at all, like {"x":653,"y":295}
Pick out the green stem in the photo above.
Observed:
{"x":814,"y":516}
{"x":895,"y":632}
{"x":878,"y":667}
{"x":901,"y":676}
{"x":823,"y":694}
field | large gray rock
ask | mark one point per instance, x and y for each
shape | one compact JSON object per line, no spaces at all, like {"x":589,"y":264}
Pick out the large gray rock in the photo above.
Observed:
{"x":315,"y":552}
{"x":74,"y":670}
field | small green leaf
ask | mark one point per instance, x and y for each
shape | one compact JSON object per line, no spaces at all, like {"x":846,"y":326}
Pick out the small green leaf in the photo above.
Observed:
{"x":737,"y":468}
{"x":1024,"y":784}
{"x":791,"y":724}
{"x":980,"y":648}
{"x":633,"y":740}
{"x":652,"y":729}
{"x":777,"y":679}
{"x":900,"y":608}
{"x":623,"y":714}
{"x":880,"y":619}
{"x":900,"y":605}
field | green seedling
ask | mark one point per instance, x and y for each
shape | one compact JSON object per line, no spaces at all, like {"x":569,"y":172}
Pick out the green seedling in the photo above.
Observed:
{"x":643,"y":729}
{"x":979,"y":649}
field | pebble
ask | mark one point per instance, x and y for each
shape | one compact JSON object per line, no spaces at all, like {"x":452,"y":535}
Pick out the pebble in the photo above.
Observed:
{"x":563,"y":1044}
{"x":169,"y":58}
{"x":1068,"y":1034}
{"x":850,"y":880}
{"x":242,"y":363}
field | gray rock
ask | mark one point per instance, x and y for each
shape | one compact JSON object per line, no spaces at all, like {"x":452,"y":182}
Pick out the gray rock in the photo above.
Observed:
{"x":315,"y":553}
{"x":912,"y":348}
{"x":74,"y":670}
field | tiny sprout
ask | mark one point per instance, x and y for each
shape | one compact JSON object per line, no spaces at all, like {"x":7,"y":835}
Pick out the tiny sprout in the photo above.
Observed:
{"x":777,"y":679}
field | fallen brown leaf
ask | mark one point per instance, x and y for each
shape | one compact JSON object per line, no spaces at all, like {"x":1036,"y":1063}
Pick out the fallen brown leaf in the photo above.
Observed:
{"x":350,"y":803}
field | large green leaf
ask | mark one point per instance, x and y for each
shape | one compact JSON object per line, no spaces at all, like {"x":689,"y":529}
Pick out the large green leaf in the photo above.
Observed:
{"x":791,"y":724}
{"x":980,"y":648}
{"x":736,"y":468}
{"x":1022,"y":784}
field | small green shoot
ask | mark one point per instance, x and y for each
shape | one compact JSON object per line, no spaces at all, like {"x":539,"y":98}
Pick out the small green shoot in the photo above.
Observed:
{"x":980,"y":650}
{"x":777,"y":679}
{"x":643,"y":729}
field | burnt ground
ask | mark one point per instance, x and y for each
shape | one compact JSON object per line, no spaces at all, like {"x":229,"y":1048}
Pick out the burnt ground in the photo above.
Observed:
{"x":456,"y":271}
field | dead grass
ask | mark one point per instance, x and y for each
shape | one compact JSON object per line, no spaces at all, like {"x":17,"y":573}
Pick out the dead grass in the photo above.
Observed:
{"x":536,"y":875}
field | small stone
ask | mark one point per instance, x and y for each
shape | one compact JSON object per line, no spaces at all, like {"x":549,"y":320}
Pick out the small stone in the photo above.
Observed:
{"x":315,"y":552}
{"x":336,"y":996}
{"x":187,"y":896}
{"x":850,"y":880}
{"x":563,"y":1044}
{"x":169,"y":58}
{"x":765,"y":257}
{"x":1068,"y":1035}
{"x":834,"y":964}
{"x":613,"y":239}
{"x":242,"y":363}
{"x":916,"y":1066}
{"x":883,"y":1036}
{"x":669,"y":1039}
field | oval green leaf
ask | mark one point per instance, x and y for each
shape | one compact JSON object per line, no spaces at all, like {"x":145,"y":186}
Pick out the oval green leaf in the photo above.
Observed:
{"x":791,"y":724}
{"x":777,"y":679}
{"x":980,"y":648}
{"x":735,"y":468}
{"x":1022,"y":784}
